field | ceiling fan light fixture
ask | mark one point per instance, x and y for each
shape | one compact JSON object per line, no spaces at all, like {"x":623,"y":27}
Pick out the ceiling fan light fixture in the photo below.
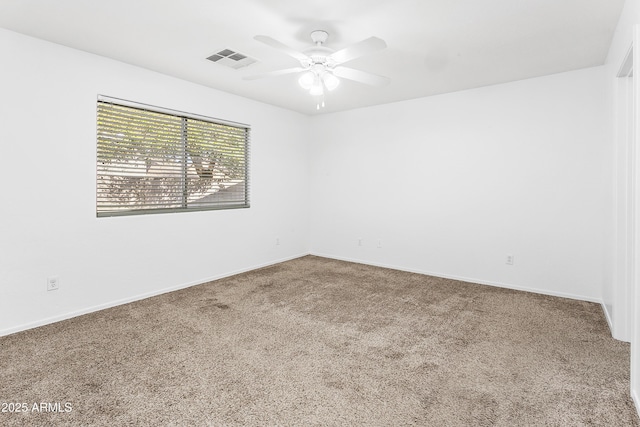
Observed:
{"x":330,"y":81}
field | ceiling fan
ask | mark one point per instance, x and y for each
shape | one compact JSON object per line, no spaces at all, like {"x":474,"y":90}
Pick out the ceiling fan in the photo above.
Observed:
{"x":321,"y":67}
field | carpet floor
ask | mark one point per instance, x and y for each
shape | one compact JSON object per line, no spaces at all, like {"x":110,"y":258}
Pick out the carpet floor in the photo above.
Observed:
{"x":320,"y":342}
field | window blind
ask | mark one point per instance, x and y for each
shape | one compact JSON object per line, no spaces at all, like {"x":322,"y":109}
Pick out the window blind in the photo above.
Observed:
{"x":153,"y":160}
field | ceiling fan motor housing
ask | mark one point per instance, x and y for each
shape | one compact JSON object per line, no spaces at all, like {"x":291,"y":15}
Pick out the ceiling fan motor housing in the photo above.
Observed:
{"x":319,"y":54}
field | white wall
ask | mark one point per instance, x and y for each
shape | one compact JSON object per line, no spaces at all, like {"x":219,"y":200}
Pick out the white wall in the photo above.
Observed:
{"x":48,"y":224}
{"x":452,"y":184}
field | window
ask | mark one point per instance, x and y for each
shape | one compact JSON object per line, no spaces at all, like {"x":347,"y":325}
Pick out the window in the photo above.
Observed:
{"x":153,"y":160}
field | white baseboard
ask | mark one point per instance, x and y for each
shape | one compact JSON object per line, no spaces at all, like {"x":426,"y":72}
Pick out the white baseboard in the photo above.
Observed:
{"x":69,"y":315}
{"x":466,"y":279}
{"x":99,"y":307}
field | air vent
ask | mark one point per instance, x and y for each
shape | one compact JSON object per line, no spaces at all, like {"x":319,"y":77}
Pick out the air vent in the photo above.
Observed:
{"x":232,"y":59}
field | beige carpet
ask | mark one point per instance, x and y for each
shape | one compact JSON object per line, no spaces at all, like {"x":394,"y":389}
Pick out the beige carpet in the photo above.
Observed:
{"x":319,"y":342}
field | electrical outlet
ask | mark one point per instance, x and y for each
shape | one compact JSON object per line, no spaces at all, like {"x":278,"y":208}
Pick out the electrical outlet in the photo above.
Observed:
{"x":379,"y":243}
{"x":53,"y":283}
{"x":509,"y":259}
{"x":277,"y":241}
{"x":360,"y":241}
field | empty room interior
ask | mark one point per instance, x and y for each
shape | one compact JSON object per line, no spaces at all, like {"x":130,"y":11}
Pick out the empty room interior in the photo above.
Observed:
{"x":319,"y":212}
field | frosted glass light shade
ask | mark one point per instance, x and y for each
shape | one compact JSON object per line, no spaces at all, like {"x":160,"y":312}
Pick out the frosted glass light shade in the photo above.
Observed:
{"x":330,"y":81}
{"x":306,"y":80}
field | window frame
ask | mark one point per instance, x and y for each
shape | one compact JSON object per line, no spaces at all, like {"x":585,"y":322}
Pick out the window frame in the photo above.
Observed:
{"x":183,"y":116}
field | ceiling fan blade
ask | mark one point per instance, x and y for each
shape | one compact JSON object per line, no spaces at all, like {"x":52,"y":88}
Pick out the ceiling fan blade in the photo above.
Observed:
{"x":283,"y":47}
{"x":370,"y":45}
{"x":361,"y":76}
{"x":274,"y":73}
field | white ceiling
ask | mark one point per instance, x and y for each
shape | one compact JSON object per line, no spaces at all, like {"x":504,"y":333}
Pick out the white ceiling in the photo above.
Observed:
{"x":434,"y":46}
